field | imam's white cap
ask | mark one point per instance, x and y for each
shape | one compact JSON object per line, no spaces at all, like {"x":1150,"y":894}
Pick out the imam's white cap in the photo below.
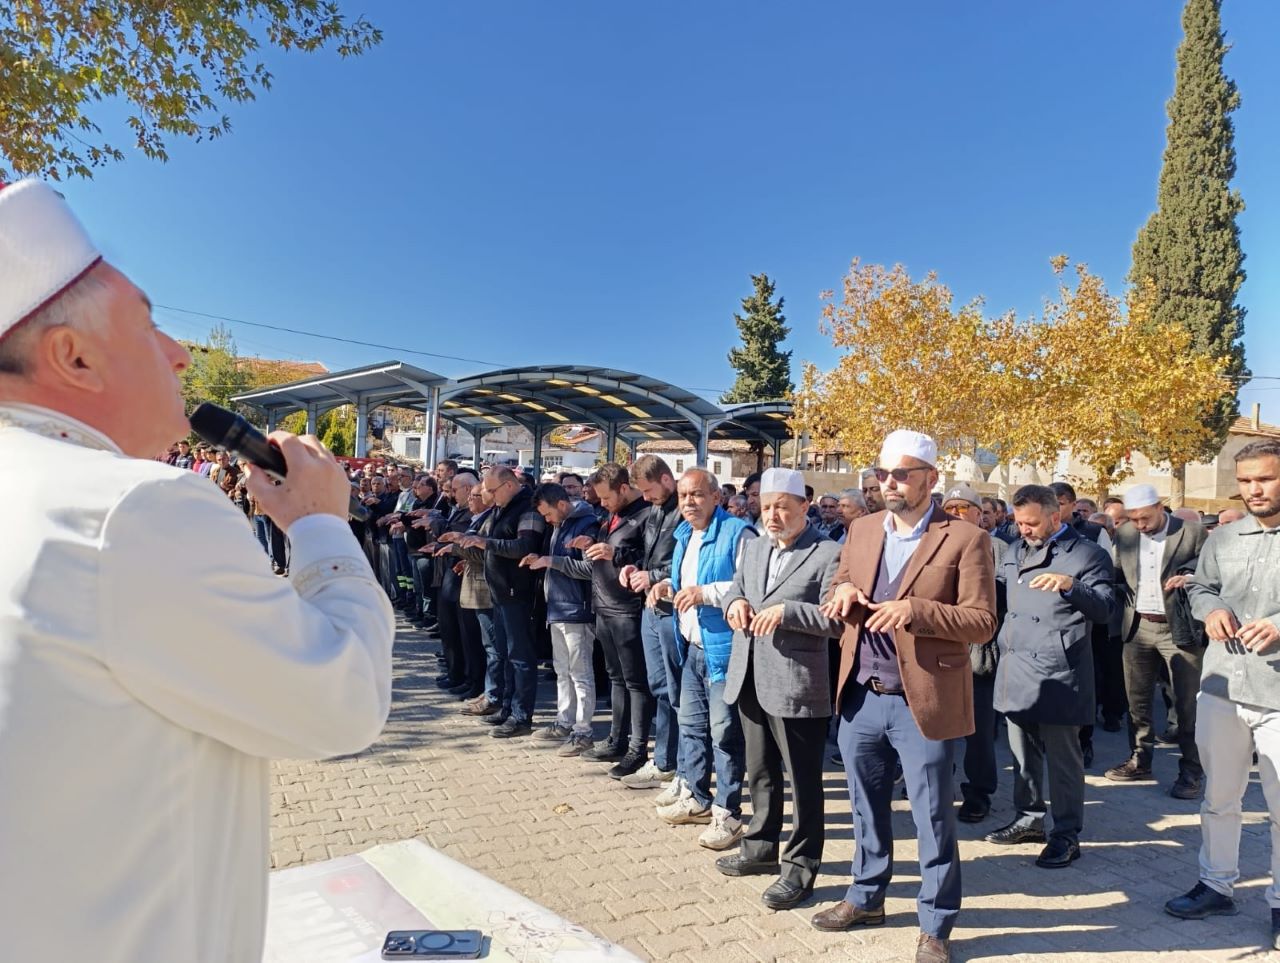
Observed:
{"x":1140,"y":496}
{"x":43,"y":250}
{"x":786,"y":481}
{"x":907,"y":444}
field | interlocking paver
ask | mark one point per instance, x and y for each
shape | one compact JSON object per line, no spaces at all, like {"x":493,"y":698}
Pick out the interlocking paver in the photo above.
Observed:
{"x":611,"y":865}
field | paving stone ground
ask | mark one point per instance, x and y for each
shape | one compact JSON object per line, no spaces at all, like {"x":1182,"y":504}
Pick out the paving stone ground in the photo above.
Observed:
{"x":611,"y":865}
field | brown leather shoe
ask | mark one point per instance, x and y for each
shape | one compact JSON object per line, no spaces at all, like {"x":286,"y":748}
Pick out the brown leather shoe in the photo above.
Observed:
{"x":930,"y":949}
{"x":844,"y":916}
{"x":1131,"y":770}
{"x":483,"y":708}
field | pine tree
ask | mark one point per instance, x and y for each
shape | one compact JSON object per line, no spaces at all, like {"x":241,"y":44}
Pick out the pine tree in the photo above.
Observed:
{"x":1188,"y":253}
{"x":764,"y":372}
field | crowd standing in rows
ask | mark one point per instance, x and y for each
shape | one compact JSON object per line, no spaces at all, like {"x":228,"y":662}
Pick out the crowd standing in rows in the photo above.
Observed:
{"x":738,"y":632}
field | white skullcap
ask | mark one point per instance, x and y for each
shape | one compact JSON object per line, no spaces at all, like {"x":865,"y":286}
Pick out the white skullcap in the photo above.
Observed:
{"x":786,"y":481}
{"x":1140,"y":496}
{"x":907,"y":444}
{"x":43,"y":250}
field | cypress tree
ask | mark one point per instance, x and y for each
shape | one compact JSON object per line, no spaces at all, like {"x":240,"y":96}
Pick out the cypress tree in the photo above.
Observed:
{"x":1189,"y":252}
{"x":764,"y":372}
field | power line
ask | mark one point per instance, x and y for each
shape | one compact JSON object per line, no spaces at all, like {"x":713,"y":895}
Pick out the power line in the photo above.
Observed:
{"x":329,"y":337}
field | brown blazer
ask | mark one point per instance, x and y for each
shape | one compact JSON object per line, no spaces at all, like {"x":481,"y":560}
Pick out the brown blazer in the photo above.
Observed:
{"x":950,"y":581}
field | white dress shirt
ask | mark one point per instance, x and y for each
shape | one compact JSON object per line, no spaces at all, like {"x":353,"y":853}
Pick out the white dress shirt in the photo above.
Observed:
{"x":150,"y":667}
{"x":1149,"y":595}
{"x":712,"y":592}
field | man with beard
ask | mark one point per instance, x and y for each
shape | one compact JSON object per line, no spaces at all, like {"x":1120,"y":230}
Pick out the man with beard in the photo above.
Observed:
{"x":1057,"y":588}
{"x":871,"y":491}
{"x":1236,"y":594}
{"x":915,"y":589}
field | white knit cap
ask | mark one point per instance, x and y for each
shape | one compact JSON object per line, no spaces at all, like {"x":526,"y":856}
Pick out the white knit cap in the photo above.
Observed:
{"x":43,"y":250}
{"x":907,"y":444}
{"x":1140,"y":496}
{"x":786,"y":481}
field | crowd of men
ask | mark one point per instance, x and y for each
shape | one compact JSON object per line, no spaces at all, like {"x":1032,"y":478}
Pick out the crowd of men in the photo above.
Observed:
{"x":737,"y":633}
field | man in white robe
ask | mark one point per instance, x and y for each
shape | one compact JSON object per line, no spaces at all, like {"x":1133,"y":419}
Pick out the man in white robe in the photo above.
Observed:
{"x":134,"y":743}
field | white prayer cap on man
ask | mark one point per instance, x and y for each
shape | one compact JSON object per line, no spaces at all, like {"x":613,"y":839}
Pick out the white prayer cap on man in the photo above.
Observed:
{"x":1140,"y":496}
{"x":43,"y":250}
{"x":907,"y":444}
{"x":786,"y":481}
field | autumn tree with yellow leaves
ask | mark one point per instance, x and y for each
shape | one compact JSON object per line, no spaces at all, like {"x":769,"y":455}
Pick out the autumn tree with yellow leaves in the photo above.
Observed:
{"x":1092,"y":374}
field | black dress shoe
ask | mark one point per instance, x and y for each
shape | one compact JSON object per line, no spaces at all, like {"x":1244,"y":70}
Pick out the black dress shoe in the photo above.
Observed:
{"x":1202,"y":902}
{"x":497,"y":719}
{"x":973,"y":811}
{"x":460,"y":688}
{"x":1110,"y":724}
{"x":784,"y":894}
{"x":1059,"y":854}
{"x":1016,"y":833}
{"x":739,"y":865}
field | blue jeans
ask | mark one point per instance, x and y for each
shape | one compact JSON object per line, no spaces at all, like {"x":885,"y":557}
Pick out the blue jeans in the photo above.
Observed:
{"x":262,"y":528}
{"x":657,"y":632}
{"x":709,"y":729}
{"x":495,"y":658}
{"x":875,"y":731}
{"x":516,"y":622}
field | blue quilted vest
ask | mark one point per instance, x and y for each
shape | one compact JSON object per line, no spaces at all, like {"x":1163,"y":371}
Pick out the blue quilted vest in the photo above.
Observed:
{"x":715,"y":564}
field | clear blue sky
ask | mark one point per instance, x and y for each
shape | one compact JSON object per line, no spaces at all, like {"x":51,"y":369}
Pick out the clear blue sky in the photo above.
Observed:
{"x":523,"y":183}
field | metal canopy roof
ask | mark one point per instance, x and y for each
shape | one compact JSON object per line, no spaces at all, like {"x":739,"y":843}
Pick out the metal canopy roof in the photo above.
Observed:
{"x":539,"y":398}
{"x":756,"y":421}
{"x":549,"y":395}
{"x":389,"y":383}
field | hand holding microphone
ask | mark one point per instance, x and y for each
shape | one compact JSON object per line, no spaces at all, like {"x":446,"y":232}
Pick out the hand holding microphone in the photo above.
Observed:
{"x":310,"y":479}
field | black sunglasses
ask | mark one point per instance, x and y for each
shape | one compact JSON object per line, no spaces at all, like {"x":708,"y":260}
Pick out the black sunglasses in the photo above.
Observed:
{"x":897,"y":474}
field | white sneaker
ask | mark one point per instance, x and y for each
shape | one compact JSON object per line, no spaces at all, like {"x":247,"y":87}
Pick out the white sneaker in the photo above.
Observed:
{"x":685,"y":811}
{"x":725,"y":830}
{"x":676,"y":790}
{"x":648,"y":776}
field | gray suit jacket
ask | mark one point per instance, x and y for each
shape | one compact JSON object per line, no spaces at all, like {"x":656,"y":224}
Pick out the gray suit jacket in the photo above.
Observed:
{"x":791,"y":668}
{"x":1181,"y":553}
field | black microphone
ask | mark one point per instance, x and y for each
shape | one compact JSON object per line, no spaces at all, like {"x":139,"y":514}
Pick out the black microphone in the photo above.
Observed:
{"x":226,"y":429}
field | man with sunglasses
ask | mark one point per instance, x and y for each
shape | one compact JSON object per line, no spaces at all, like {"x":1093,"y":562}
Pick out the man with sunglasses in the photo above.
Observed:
{"x":915,"y":588}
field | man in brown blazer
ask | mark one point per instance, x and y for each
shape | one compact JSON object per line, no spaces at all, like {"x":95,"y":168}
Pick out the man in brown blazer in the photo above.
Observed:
{"x":915,"y":589}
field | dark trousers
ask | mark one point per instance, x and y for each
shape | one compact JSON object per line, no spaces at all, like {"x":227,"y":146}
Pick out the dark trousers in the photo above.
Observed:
{"x":279,"y":546}
{"x":630,"y":700}
{"x":1034,"y":745}
{"x":875,"y":732}
{"x":1150,"y":650}
{"x":473,"y":650}
{"x":980,"y":747}
{"x":771,"y":744}
{"x":1108,"y":673}
{"x":423,"y":568}
{"x":450,"y":623}
{"x":515,"y":620}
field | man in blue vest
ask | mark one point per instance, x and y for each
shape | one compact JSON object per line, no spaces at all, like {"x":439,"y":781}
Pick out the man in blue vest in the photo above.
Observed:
{"x":708,"y":544}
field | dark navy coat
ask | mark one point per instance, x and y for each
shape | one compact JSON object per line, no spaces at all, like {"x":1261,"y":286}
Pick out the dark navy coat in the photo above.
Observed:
{"x":1045,"y":673}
